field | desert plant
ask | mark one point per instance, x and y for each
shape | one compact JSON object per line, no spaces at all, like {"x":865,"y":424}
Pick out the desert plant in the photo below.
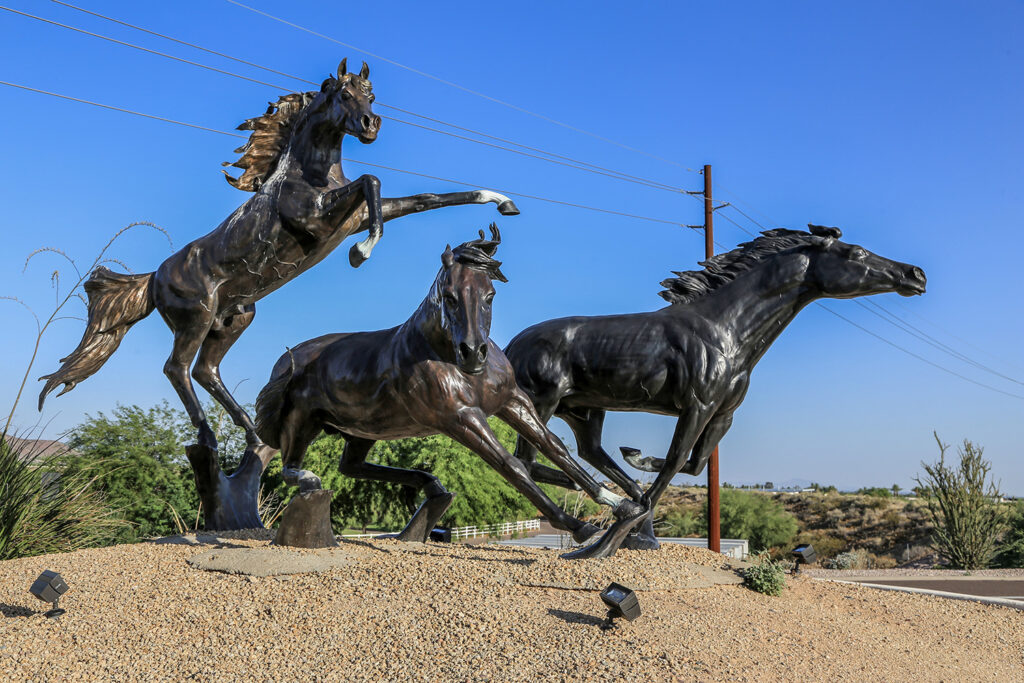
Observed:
{"x":963,"y":504}
{"x":1011,"y":550}
{"x":767,"y":576}
{"x":57,"y":514}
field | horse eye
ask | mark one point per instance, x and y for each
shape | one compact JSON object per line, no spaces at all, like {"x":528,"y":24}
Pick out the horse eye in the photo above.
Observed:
{"x":489,"y":298}
{"x":346,"y":95}
{"x":857,"y":254}
{"x":373,"y":98}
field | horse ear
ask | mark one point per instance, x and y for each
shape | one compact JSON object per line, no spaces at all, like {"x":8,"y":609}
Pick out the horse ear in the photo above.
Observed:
{"x":343,"y":67}
{"x":448,"y":258}
{"x":364,"y":73}
{"x":824,"y":231}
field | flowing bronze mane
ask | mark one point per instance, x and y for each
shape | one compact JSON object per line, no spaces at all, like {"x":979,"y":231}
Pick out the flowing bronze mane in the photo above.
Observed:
{"x":479,"y":254}
{"x":724,"y":268}
{"x":272,"y":131}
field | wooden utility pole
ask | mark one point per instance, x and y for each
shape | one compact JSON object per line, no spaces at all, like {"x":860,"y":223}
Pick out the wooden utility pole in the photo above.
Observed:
{"x":714,"y":526}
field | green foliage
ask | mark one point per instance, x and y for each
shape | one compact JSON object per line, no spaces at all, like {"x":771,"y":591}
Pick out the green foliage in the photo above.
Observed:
{"x":875,"y":492}
{"x":757,"y":517}
{"x":760,"y":519}
{"x":963,"y":506}
{"x":767,"y":576}
{"x":139,"y":465}
{"x":46,"y":509}
{"x":1011,"y":551}
{"x":483,"y":496}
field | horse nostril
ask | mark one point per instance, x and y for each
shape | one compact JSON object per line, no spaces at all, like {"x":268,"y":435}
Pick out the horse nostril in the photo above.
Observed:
{"x":483,"y":351}
{"x":918,"y":273}
{"x":376,"y":122}
{"x":464,"y":350}
{"x":367,"y":121}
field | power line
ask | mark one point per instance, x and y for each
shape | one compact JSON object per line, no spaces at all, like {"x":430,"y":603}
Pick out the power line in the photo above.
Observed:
{"x":366,"y":163}
{"x":593,"y":168}
{"x":913,"y":331}
{"x":920,"y":358}
{"x":120,"y":109}
{"x":460,"y":87}
{"x":144,"y":49}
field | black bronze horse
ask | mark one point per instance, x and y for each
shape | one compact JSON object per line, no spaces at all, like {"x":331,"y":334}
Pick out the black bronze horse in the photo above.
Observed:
{"x":438,"y":372}
{"x":303,"y":207}
{"x":693,"y":358}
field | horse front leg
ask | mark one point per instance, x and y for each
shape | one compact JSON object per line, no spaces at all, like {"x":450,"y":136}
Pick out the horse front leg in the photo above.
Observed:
{"x":396,"y":207}
{"x":369,"y":188}
{"x":688,"y":428}
{"x":520,"y":414}
{"x":472,"y":431}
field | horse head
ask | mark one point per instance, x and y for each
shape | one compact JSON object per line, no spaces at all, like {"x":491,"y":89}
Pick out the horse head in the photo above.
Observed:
{"x":464,"y":293}
{"x":347,"y":101}
{"x":844,"y":271}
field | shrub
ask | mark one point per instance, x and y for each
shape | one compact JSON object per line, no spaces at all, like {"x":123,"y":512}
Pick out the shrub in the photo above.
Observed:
{"x":767,"y":576}
{"x":963,"y":505}
{"x":875,"y":492}
{"x":1011,"y":551}
{"x":760,"y":519}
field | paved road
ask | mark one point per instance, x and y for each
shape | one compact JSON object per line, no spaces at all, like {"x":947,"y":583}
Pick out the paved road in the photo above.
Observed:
{"x":989,"y":587}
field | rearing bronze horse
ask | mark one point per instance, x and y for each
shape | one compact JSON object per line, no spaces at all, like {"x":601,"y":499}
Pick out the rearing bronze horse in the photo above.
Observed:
{"x":303,"y":207}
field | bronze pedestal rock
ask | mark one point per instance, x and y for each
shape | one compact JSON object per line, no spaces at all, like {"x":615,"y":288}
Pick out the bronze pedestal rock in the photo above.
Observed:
{"x":306,"y":522}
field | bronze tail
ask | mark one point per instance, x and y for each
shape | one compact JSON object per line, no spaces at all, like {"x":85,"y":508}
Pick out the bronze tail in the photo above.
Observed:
{"x":270,"y":403}
{"x":116,"y":302}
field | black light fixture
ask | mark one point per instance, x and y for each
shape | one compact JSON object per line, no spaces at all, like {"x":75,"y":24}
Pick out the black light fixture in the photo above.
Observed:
{"x":621,"y":602}
{"x":48,"y":588}
{"x":804,"y":554}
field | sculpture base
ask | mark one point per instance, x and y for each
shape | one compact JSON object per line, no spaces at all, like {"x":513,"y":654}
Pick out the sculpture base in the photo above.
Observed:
{"x":306,"y":522}
{"x":230,"y":501}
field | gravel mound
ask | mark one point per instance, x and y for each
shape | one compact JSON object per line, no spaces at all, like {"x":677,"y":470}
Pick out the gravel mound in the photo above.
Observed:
{"x":394,"y":611}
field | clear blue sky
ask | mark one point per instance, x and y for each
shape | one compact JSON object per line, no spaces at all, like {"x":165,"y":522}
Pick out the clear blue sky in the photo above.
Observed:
{"x":898,"y":122}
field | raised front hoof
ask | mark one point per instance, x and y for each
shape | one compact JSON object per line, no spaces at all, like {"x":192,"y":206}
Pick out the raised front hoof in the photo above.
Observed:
{"x":358,"y":255}
{"x":612,"y":539}
{"x":423,"y":522}
{"x":508,"y":208}
{"x":549,"y":475}
{"x":640,"y":541}
{"x":633,"y":458}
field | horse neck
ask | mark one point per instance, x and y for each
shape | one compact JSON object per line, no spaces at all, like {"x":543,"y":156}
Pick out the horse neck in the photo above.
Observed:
{"x":425,"y":327}
{"x":315,"y":155}
{"x":756,"y":307}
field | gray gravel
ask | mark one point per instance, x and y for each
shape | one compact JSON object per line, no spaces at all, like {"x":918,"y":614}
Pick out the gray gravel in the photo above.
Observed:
{"x":434,"y":612}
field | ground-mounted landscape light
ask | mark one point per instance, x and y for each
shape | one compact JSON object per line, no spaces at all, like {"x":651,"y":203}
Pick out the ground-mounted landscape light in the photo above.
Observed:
{"x":441,"y":535}
{"x":622,"y":602}
{"x":48,"y":588}
{"x":804,"y":554}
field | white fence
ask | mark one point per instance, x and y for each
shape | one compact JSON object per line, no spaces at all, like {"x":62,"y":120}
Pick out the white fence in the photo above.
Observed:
{"x":503,"y":529}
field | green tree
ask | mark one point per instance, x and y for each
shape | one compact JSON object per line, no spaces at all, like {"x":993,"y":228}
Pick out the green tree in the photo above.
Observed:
{"x":1011,"y":550}
{"x":963,"y":504}
{"x":759,"y":518}
{"x":140,"y":466}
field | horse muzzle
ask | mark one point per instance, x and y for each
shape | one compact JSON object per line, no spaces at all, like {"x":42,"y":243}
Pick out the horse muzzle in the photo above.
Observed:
{"x":471,"y":359}
{"x":370,"y":128}
{"x":914,"y":282}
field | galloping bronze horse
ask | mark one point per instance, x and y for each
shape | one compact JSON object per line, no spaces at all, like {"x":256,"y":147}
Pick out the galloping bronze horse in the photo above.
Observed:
{"x":438,"y":372}
{"x":303,"y":207}
{"x":693,"y":358}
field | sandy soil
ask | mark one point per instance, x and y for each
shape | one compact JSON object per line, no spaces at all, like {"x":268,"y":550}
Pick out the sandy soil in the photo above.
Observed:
{"x":394,"y":611}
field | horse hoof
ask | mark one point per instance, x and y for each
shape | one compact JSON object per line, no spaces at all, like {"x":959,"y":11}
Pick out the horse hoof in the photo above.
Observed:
{"x":356,"y":257}
{"x":585,"y":533}
{"x":508,"y":208}
{"x":611,"y":540}
{"x":308,"y":482}
{"x":422,"y":523}
{"x":638,"y":541}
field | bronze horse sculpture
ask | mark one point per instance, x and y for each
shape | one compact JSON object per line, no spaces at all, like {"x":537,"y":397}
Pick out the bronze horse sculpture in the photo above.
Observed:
{"x":438,"y":372}
{"x":692,"y":359}
{"x":302,"y":208}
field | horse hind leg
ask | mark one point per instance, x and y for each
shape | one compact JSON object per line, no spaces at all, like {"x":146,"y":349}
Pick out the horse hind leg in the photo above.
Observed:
{"x":222,"y":335}
{"x":186,"y":344}
{"x":353,"y":463}
{"x":297,"y":432}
